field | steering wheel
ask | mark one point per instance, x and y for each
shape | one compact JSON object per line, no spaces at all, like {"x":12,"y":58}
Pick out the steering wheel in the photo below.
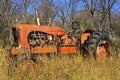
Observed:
{"x":75,"y":25}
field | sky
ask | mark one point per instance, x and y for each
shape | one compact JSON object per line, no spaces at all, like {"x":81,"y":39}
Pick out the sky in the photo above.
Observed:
{"x":116,"y":7}
{"x":31,"y":9}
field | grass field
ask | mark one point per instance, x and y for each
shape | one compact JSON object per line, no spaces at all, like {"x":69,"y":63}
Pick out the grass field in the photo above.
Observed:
{"x":61,"y":68}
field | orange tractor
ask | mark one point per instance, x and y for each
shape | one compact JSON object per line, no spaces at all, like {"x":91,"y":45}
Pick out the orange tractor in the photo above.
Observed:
{"x":32,"y":40}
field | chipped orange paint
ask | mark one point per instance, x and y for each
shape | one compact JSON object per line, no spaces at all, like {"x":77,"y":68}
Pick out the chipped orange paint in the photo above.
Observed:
{"x":85,"y":35}
{"x":47,"y":49}
{"x":101,"y":53}
{"x":67,"y":49}
{"x":44,"y":49}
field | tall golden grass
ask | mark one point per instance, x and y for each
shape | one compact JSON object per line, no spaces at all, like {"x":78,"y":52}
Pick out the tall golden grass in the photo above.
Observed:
{"x":60,"y":68}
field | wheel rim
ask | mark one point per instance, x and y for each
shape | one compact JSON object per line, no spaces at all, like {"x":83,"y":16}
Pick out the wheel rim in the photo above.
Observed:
{"x":104,"y":51}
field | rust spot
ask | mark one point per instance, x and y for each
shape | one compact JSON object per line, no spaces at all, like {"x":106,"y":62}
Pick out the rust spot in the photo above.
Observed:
{"x":101,"y":53}
{"x":104,"y":51}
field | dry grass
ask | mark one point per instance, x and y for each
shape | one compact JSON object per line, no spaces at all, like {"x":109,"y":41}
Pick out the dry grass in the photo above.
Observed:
{"x":61,"y":68}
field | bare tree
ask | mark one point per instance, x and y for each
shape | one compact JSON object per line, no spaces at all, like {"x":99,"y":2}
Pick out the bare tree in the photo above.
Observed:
{"x":5,"y":21}
{"x":104,"y":7}
{"x":67,"y":10}
{"x":20,"y":8}
{"x":91,"y":6}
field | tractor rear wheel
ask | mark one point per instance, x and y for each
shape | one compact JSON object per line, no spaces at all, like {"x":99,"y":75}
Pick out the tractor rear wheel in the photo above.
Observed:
{"x":98,"y":46}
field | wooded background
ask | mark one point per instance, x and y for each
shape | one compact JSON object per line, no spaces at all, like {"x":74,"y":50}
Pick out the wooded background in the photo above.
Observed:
{"x":90,"y":14}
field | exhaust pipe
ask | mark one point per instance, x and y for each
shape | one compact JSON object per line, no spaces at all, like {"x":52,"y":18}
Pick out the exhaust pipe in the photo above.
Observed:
{"x":37,"y":17}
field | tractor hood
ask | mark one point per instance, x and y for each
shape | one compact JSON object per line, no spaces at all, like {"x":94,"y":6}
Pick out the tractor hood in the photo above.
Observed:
{"x":53,"y":30}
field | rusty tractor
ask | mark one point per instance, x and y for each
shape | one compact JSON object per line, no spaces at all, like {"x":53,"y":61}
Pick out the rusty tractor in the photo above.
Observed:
{"x":32,"y":40}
